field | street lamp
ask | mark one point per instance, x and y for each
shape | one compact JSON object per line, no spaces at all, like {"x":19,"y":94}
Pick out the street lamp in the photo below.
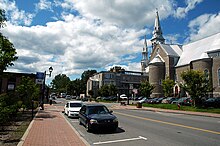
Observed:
{"x":50,"y":70}
{"x":43,"y":94}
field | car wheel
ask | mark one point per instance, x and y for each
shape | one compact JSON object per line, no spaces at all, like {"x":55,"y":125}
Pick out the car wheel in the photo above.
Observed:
{"x":80,"y":123}
{"x":88,"y":128}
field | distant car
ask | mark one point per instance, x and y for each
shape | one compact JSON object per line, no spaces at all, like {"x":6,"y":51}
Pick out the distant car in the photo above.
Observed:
{"x":212,"y":102}
{"x":71,"y":109}
{"x":123,"y":97}
{"x":97,"y":116}
{"x":68,"y":97}
{"x":143,"y":100}
{"x":168,"y":100}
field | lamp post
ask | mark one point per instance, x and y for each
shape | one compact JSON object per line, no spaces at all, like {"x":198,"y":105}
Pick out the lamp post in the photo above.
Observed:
{"x":43,"y":90}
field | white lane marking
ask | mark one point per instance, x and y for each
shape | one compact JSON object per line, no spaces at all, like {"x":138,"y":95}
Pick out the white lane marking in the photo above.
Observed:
{"x":121,"y":140}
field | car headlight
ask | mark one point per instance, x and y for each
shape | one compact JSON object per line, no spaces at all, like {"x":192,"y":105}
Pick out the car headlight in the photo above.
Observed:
{"x":92,"y":121}
{"x":115,"y":120}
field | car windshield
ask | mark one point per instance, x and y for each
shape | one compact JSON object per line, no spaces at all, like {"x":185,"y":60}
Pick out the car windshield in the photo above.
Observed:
{"x":98,"y":110}
{"x":75,"y":104}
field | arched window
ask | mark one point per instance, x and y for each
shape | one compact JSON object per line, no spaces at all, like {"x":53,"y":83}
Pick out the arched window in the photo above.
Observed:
{"x":219,"y":77}
{"x":206,"y":72}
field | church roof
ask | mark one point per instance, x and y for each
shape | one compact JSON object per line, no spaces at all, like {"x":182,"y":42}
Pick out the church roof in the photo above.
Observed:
{"x":199,"y":49}
{"x":172,"y":50}
{"x":157,"y":59}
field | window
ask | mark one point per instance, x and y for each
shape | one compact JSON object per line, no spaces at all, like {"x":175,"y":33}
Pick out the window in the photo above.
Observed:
{"x":219,"y":77}
{"x":206,"y":72}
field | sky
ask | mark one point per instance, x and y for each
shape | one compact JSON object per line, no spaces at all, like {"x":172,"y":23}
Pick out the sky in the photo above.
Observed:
{"x":74,"y":36}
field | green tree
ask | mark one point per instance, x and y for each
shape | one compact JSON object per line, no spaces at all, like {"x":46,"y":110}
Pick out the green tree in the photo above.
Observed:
{"x":27,"y":91}
{"x":146,"y":89}
{"x":196,"y":84}
{"x":60,"y":83}
{"x":84,"y":78}
{"x":112,"y":89}
{"x":74,"y":87}
{"x":168,"y":85}
{"x":2,"y":18}
{"x":7,"y":50}
{"x":104,"y":91}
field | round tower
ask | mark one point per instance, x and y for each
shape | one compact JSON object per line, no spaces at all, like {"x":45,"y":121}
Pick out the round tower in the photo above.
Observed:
{"x":156,"y":75}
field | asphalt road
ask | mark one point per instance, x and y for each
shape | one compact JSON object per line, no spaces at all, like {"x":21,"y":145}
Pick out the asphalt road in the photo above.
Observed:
{"x":140,"y":127}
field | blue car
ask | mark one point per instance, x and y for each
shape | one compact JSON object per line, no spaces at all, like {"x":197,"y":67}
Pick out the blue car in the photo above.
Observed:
{"x":96,"y":117}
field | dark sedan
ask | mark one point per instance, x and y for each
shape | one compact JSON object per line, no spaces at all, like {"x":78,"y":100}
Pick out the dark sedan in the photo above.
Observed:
{"x":97,"y":116}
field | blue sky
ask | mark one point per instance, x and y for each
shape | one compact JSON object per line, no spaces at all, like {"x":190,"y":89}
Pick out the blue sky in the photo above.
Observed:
{"x":76,"y":35}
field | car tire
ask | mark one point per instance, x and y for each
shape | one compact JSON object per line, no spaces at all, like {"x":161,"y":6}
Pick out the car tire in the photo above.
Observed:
{"x":88,"y":128}
{"x":80,"y":123}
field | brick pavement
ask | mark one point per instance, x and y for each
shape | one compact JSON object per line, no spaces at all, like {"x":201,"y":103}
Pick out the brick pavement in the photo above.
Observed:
{"x":49,"y":128}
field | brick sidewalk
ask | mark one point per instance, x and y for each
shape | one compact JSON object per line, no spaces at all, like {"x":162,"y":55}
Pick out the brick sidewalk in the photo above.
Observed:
{"x":49,"y":128}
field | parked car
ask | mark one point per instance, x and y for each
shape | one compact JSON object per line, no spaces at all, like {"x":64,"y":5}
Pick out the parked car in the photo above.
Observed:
{"x":184,"y":101}
{"x":168,"y":100}
{"x":159,"y":100}
{"x":175,"y":101}
{"x":71,"y":109}
{"x":152,"y":100}
{"x":212,"y":102}
{"x":97,"y":116}
{"x":144,"y":100}
{"x":68,"y":97}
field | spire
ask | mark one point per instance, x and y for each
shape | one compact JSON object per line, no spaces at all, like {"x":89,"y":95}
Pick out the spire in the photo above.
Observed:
{"x":144,"y":60}
{"x":157,"y":33}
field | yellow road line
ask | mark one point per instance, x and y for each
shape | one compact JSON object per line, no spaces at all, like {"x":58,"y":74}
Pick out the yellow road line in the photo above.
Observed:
{"x":169,"y":123}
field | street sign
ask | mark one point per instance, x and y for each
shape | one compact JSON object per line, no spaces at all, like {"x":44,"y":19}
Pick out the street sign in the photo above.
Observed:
{"x":39,"y":77}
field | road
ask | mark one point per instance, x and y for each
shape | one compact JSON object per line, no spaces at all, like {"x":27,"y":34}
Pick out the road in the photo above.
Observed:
{"x":141,"y":127}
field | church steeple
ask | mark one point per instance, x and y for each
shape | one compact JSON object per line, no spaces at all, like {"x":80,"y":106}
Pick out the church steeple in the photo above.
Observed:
{"x":144,"y":60}
{"x":157,"y":33}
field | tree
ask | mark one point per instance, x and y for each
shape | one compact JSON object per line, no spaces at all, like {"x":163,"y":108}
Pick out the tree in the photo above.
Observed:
{"x":112,"y":89}
{"x":104,"y":90}
{"x":74,"y":87}
{"x":84,"y":78}
{"x":168,"y":85}
{"x":146,"y":89}
{"x":2,"y":18}
{"x":196,"y":84}
{"x":60,"y":83}
{"x":27,"y":91}
{"x":7,"y":50}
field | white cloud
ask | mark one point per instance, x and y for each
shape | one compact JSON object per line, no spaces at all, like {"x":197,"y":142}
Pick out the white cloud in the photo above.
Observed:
{"x":181,"y":12}
{"x":72,"y":46}
{"x":16,"y":16}
{"x":203,"y":26}
{"x":123,"y":13}
{"x":44,"y":5}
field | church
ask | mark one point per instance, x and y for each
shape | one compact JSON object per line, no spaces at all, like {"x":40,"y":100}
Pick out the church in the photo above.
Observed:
{"x":170,"y":60}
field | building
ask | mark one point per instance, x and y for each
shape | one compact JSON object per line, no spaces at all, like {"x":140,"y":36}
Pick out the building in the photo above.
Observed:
{"x":170,"y":60}
{"x":9,"y":80}
{"x":125,"y":81}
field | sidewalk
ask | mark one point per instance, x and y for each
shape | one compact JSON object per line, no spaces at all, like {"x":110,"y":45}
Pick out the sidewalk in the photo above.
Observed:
{"x":118,"y":106}
{"x":49,"y":128}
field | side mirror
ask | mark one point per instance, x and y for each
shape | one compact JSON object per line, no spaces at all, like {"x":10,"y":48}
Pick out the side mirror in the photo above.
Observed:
{"x":110,"y":111}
